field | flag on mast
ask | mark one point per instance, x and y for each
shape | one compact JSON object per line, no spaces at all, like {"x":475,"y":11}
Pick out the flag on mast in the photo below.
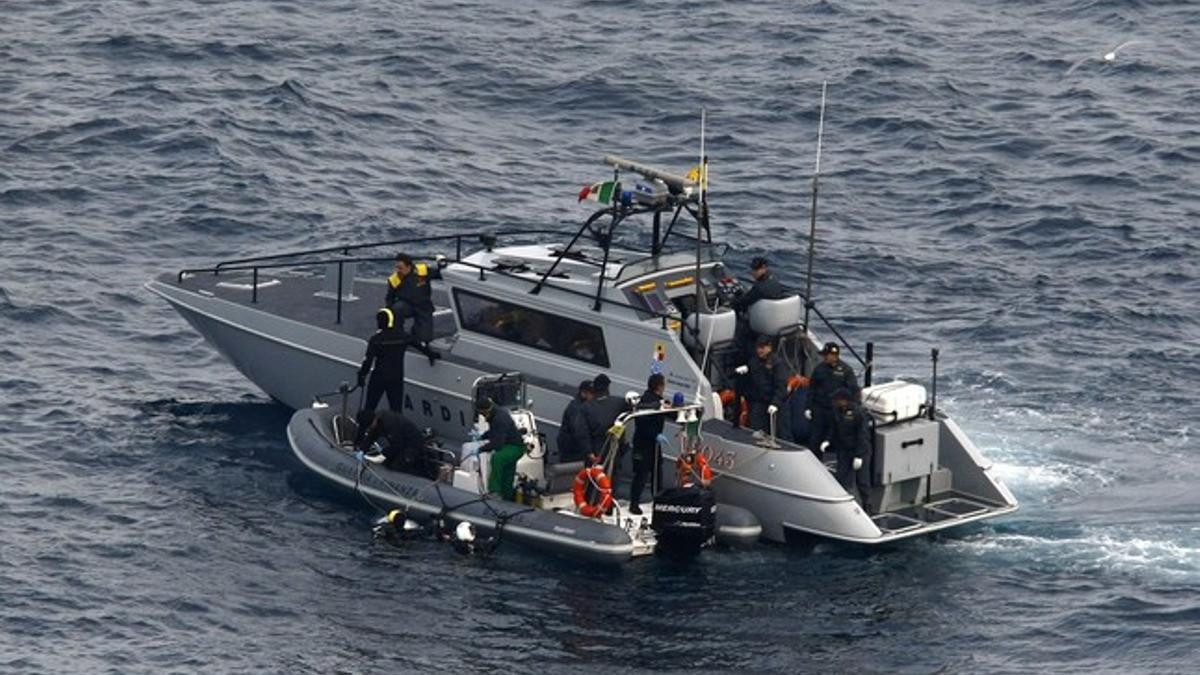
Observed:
{"x":599,"y":192}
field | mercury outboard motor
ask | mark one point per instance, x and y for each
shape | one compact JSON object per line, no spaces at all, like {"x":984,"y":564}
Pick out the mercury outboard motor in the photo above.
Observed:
{"x":684,"y":520}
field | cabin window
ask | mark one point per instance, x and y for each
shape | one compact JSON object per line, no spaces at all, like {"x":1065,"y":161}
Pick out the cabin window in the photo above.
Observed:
{"x":531,"y":328}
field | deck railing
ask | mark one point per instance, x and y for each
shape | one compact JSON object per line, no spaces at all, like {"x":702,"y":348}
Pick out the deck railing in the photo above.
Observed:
{"x":311,"y":258}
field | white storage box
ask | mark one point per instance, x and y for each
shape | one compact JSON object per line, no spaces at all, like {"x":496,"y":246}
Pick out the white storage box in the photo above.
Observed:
{"x":722,"y":323}
{"x":905,"y":451}
{"x":893,"y":401}
{"x":774,"y":317}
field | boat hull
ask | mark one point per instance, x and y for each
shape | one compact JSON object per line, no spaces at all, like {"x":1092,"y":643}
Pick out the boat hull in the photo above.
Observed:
{"x":424,"y":499}
{"x":787,"y":490}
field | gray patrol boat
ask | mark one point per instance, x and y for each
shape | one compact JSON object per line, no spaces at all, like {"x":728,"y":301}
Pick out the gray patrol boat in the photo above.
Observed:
{"x":562,"y":307}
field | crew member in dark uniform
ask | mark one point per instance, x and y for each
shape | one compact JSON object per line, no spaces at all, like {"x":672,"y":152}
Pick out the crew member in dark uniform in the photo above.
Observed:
{"x":766,"y":387}
{"x":405,"y":441}
{"x":766,"y":286}
{"x":850,"y":438}
{"x":574,"y":442}
{"x":410,"y":294}
{"x":797,"y":403}
{"x":505,"y":442}
{"x":646,"y":431}
{"x":385,"y":362}
{"x":601,"y":412}
{"x":829,"y":376}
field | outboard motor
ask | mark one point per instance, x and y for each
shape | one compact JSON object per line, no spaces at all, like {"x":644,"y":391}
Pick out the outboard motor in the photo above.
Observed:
{"x":684,"y":520}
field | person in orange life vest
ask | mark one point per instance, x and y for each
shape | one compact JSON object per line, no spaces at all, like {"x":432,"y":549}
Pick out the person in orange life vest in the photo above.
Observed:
{"x":410,"y":294}
{"x":692,"y":466}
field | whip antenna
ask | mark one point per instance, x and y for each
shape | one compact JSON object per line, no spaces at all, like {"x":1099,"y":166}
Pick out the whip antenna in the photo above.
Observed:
{"x":701,"y":225}
{"x":812,"y":230}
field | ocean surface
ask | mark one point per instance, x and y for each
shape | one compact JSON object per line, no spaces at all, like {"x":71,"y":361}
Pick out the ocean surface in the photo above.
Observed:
{"x":1040,"y":228}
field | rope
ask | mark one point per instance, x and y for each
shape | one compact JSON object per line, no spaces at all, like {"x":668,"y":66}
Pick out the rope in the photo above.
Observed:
{"x":501,"y":518}
{"x":336,"y":391}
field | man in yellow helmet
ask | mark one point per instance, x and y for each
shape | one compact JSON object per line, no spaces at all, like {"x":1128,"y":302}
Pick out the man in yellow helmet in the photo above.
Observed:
{"x":384,"y":362}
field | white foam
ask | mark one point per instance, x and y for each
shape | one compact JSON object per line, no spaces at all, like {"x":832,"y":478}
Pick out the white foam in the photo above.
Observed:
{"x":1107,"y":548}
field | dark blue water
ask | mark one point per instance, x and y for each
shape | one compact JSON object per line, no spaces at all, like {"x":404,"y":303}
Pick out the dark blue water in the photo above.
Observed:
{"x":1040,"y":229}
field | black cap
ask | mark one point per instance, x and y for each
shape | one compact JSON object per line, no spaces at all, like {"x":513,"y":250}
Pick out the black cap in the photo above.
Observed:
{"x":758,"y":262}
{"x":764,"y":340}
{"x":586,"y":385}
{"x":831,"y":348}
{"x":842,"y":393}
{"x":484,"y":406}
{"x":601,"y":382}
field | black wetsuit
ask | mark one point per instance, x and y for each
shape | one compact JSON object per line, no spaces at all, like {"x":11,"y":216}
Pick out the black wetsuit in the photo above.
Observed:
{"x":850,"y":437}
{"x":385,"y":351}
{"x":645,"y":445}
{"x":827,"y":379}
{"x":766,"y":385}
{"x":573,"y":439}
{"x":404,"y":440}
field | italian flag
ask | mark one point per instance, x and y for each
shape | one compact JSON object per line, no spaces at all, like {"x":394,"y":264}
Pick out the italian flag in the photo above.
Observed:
{"x":599,"y":192}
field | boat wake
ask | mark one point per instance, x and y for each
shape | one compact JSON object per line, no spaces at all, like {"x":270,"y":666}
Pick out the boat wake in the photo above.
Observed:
{"x":1171,"y":553}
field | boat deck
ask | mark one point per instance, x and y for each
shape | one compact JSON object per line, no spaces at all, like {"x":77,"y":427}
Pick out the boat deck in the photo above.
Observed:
{"x":310,"y":300}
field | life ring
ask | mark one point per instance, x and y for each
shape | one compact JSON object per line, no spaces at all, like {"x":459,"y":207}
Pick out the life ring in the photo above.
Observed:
{"x":593,"y":476}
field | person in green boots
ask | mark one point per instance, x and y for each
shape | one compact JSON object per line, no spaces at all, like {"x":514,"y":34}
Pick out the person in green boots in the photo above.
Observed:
{"x":505,"y":442}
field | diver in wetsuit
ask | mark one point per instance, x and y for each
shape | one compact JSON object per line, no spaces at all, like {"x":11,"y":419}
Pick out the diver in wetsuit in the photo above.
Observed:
{"x":384,"y":361}
{"x":405,"y":441}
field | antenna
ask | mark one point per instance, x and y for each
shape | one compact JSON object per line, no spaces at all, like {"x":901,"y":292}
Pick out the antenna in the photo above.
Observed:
{"x":702,"y":221}
{"x":812,"y":230}
{"x":701,"y":225}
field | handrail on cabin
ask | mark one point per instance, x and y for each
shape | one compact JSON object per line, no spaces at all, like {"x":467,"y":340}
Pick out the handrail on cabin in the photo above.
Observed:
{"x":256,"y":263}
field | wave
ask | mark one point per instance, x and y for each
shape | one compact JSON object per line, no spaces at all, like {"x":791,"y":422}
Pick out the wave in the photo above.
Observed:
{"x":1174,"y":555}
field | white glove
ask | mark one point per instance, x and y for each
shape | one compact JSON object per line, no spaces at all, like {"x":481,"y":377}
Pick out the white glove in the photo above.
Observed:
{"x":807,"y":414}
{"x":857,"y":463}
{"x":632,"y":397}
{"x":741,"y":370}
{"x":772,"y":409}
{"x":824,"y":446}
{"x":440,"y":260}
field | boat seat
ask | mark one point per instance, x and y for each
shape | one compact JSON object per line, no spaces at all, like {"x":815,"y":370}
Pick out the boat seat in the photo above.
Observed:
{"x":775,"y":317}
{"x":561,"y":477}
